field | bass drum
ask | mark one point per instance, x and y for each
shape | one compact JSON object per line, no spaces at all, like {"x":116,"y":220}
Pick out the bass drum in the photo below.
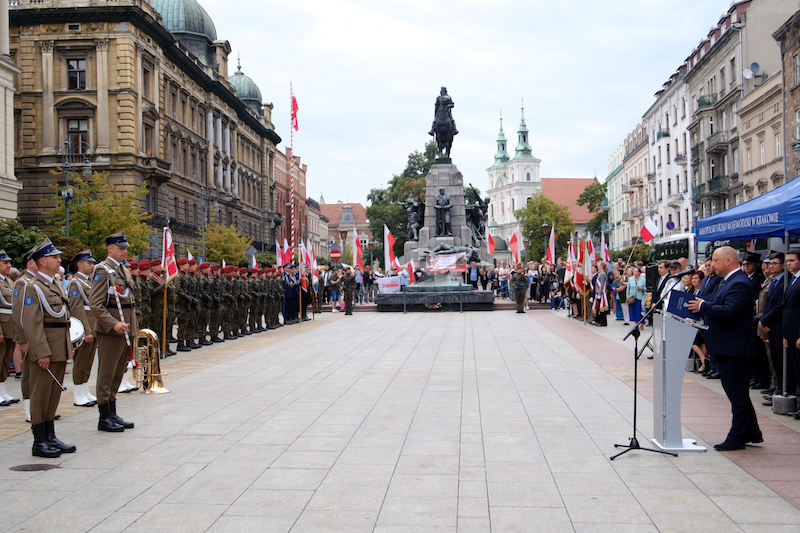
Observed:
{"x":76,"y":332}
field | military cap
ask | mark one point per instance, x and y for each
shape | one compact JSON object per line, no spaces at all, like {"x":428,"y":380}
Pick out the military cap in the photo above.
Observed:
{"x":84,"y":255}
{"x":253,"y":270}
{"x":144,"y":264}
{"x":134,"y":265}
{"x":182,"y":261}
{"x":215,"y":267}
{"x":4,"y":256}
{"x":45,"y":249}
{"x":118,"y":239}
{"x":204,"y":265}
{"x":242,"y":270}
{"x":192,"y":262}
{"x":751,"y":257}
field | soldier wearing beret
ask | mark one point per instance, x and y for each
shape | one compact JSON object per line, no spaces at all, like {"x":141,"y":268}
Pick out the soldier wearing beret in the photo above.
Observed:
{"x":145,"y":304}
{"x":45,"y":319}
{"x":112,"y":284}
{"x":79,"y":288}
{"x":214,"y":326}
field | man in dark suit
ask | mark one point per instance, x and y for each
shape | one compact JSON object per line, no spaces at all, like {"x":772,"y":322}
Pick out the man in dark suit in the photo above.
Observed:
{"x":791,"y":320}
{"x":729,"y":316}
{"x":771,"y":323}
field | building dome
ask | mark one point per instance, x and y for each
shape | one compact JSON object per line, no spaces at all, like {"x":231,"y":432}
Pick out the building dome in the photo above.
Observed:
{"x":246,"y":89}
{"x":190,"y":23}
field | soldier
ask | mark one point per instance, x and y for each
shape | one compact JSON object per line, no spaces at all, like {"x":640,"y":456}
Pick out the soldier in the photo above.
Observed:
{"x":79,"y":288}
{"x":155,"y":285}
{"x":133,"y":266}
{"x":172,"y":299}
{"x":145,"y":304}
{"x":182,"y":303}
{"x":349,"y":287}
{"x":6,"y":328}
{"x":244,"y":302}
{"x":319,"y":295}
{"x":519,"y":285}
{"x":21,"y":339}
{"x":214,"y":325}
{"x":263,"y":319}
{"x":204,"y":282}
{"x":112,"y":284}
{"x":228,"y":303}
{"x":45,"y":319}
{"x":195,"y":307}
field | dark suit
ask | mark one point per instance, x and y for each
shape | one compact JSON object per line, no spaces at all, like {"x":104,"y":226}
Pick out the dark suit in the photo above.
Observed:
{"x":791,"y":331}
{"x":772,"y":317}
{"x":729,"y":316}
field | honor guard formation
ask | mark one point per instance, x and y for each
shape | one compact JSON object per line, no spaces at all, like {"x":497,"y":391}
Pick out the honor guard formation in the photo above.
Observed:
{"x":100,"y":310}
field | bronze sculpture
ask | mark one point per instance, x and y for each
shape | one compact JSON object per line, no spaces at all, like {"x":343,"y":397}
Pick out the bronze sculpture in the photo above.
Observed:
{"x":443,"y":127}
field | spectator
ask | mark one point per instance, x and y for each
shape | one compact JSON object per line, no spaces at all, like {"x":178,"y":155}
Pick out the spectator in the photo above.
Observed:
{"x":335,"y":285}
{"x":635,"y":295}
{"x":502,"y":276}
{"x":483,"y":274}
{"x":620,"y":288}
{"x":472,"y":274}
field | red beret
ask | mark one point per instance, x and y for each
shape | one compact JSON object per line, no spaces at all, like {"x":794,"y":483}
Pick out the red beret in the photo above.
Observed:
{"x":204,"y":265}
{"x":144,"y":264}
{"x":182,"y":261}
{"x":215,"y":267}
{"x":253,"y":271}
{"x":192,"y":261}
{"x":242,"y":270}
{"x":134,"y":265}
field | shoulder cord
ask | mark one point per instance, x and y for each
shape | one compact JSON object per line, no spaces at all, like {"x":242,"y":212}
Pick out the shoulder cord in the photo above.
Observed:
{"x":43,"y":304}
{"x":3,"y":299}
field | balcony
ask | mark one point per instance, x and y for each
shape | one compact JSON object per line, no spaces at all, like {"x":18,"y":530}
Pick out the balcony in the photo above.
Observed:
{"x":696,"y":151}
{"x":628,"y":189}
{"x":680,"y":158}
{"x":636,"y":181}
{"x":697,"y":190}
{"x":706,"y":101}
{"x":718,"y":186}
{"x":663,"y":132}
{"x":675,"y":200}
{"x":717,"y":143}
{"x":636,"y":212}
{"x":626,"y":214}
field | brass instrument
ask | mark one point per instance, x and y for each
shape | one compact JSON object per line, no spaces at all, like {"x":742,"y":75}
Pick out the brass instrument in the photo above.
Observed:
{"x":148,"y":370}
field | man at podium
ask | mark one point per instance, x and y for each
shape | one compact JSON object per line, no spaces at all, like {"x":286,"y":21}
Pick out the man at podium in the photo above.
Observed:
{"x":729,"y":315}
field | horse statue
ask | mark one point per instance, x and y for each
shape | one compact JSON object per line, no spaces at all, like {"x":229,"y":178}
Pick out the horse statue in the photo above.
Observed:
{"x":443,"y":127}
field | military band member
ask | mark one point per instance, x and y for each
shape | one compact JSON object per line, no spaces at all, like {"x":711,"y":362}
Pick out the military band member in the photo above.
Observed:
{"x":349,"y":287}
{"x":21,"y":338}
{"x":519,"y":285}
{"x":79,"y":288}
{"x":113,"y":353}
{"x":45,"y":319}
{"x":6,"y":328}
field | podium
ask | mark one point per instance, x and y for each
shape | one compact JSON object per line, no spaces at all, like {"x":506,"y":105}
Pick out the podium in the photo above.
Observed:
{"x":672,"y":342}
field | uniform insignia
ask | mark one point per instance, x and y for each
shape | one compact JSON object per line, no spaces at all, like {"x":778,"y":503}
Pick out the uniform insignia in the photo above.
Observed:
{"x":73,"y":292}
{"x":96,"y":277}
{"x":16,"y":293}
{"x":29,"y":300}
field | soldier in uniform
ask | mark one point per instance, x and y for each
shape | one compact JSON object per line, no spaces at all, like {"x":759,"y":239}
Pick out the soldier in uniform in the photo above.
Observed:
{"x":349,"y":287}
{"x":21,"y":338}
{"x":195,"y":307}
{"x":145,"y":305}
{"x":79,"y":288}
{"x":263,"y":319}
{"x":111,"y":280}
{"x":519,"y":285}
{"x":45,"y":319}
{"x":255,"y":295}
{"x":6,"y":328}
{"x":244,"y":301}
{"x":182,"y":303}
{"x":172,"y":299}
{"x":155,"y":286}
{"x":204,"y":282}
{"x":228,"y":302}
{"x":133,"y":266}
{"x":214,"y":320}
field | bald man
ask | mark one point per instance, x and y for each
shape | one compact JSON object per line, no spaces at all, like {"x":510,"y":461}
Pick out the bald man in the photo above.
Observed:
{"x":729,"y":315}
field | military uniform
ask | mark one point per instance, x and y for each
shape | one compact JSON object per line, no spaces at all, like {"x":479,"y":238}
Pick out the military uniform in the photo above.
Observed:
{"x":519,"y":285}
{"x":349,"y":287}
{"x":144,"y":305}
{"x":20,"y":338}
{"x":214,"y":321}
{"x":155,"y":290}
{"x":113,"y":352}
{"x":78,"y":290}
{"x":183,"y":301}
{"x":45,"y":319}
{"x":7,"y":331}
{"x":206,"y":303}
{"x":228,"y":303}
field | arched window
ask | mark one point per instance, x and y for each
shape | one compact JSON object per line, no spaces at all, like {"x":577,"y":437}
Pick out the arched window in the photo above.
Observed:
{"x":528,"y":176}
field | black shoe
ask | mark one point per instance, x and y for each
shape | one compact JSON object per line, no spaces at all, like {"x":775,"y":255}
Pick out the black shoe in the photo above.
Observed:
{"x":5,"y":403}
{"x":759,"y":385}
{"x":756,"y":439}
{"x":768,"y":402}
{"x":106,"y":423}
{"x":796,"y":415}
{"x":50,"y":433}
{"x":713,"y":375}
{"x":41,"y":446}
{"x":523,"y":312}
{"x":172,"y":339}
{"x":14,"y":400}
{"x":118,"y":419}
{"x":205,"y":343}
{"x":729,"y":445}
{"x":57,"y":417}
{"x":769,"y":391}
{"x":193,"y":345}
{"x":306,"y":319}
{"x":216,"y":339}
{"x":183,"y":348}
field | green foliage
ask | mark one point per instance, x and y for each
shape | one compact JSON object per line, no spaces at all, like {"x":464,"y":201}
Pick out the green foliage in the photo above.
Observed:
{"x":226,"y":242}
{"x":592,"y":197}
{"x":385,"y":205}
{"x":472,"y":195}
{"x":16,"y":239}
{"x":97,"y":210}
{"x":640,"y":253}
{"x":267,"y":259}
{"x":68,"y":246}
{"x":538,"y":211}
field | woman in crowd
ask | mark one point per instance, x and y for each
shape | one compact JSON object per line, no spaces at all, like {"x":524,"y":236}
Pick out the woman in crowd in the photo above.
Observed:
{"x":698,"y":346}
{"x":620,"y":290}
{"x":635,"y":295}
{"x":483,"y":275}
{"x":545,"y":281}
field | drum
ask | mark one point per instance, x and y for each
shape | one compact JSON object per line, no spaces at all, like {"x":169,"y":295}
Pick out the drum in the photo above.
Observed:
{"x":76,"y":332}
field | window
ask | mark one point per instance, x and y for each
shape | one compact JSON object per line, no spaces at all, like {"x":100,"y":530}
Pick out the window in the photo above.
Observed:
{"x":749,"y":159}
{"x":710,"y":126}
{"x":175,"y":202}
{"x":78,"y":133}
{"x":186,"y":211}
{"x":667,"y":153}
{"x":528,"y":176}
{"x":733,"y":115}
{"x":76,"y":74}
{"x":683,"y":107}
{"x":148,"y":139}
{"x":174,"y":104}
{"x":733,"y":70}
{"x":737,"y":198}
{"x":795,"y":69}
{"x":778,"y":146}
{"x":762,"y":152}
{"x":735,"y":157}
{"x":513,"y":205}
{"x":147,"y":81}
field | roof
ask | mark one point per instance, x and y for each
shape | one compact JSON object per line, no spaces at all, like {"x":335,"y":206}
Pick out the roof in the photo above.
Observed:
{"x":334,"y":212}
{"x":565,"y":191}
{"x":246,"y":88}
{"x":186,"y":16}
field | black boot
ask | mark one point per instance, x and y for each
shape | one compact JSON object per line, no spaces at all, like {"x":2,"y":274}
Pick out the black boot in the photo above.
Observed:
{"x":41,"y":447}
{"x":118,"y":419}
{"x":183,"y":347}
{"x":106,"y":423}
{"x":204,"y":342}
{"x":216,"y":339}
{"x":50,"y":433}
{"x":193,"y":345}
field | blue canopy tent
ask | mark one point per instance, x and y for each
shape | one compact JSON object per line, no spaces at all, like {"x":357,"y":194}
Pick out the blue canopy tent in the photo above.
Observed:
{"x":773,"y":214}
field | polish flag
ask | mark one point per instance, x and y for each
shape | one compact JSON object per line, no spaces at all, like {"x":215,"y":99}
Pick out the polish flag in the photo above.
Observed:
{"x":312,"y":257}
{"x":570,"y":269}
{"x":287,"y":252}
{"x":579,"y":269}
{"x":490,"y":242}
{"x":649,"y":230}
{"x":551,"y":246}
{"x":390,"y":261}
{"x":189,"y":255}
{"x":294,"y":108}
{"x":606,"y":255}
{"x":591,"y":255}
{"x":303,"y":258}
{"x":278,"y":253}
{"x":357,"y":250}
{"x":515,"y":244}
{"x":168,"y":262}
{"x":411,"y":267}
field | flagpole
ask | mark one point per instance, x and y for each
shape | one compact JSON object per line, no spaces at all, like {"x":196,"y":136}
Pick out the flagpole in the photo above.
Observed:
{"x":291,"y":162}
{"x":638,"y":237}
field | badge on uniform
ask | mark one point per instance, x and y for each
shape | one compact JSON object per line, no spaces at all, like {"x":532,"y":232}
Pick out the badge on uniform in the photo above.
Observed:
{"x":16,"y":293}
{"x":96,"y":277}
{"x":29,"y":300}
{"x":73,"y":292}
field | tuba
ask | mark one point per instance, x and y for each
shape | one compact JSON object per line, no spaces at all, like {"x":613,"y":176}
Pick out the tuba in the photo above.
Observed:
{"x":148,"y":365}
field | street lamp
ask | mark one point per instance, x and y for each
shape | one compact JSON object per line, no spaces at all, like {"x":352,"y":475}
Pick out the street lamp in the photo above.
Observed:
{"x":545,"y":232}
{"x":370,"y":245}
{"x":71,"y":159}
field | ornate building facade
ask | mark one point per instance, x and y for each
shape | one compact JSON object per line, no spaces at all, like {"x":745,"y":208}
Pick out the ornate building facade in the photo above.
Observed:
{"x":9,"y":186}
{"x":141,"y":90}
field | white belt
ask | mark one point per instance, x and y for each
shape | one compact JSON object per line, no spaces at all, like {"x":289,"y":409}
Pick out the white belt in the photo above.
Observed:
{"x":4,"y":311}
{"x":87,"y":308}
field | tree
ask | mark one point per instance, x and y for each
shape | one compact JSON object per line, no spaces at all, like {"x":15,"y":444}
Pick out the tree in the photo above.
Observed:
{"x":266,"y":258}
{"x":538,"y":211}
{"x":385,"y":205}
{"x":640,"y":253}
{"x":97,"y":210}
{"x":592,"y":197}
{"x":472,"y":195}
{"x":17,"y":239}
{"x":225,"y":242}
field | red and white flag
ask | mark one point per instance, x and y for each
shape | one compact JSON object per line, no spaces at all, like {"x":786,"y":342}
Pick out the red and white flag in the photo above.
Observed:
{"x":278,"y":253}
{"x":551,"y":246}
{"x":189,"y":255}
{"x":569,"y":273}
{"x":649,"y":230}
{"x":490,"y":242}
{"x":515,"y":244}
{"x":287,"y":253}
{"x":303,"y":254}
{"x":591,"y":255}
{"x":312,"y":257}
{"x":358,"y":250}
{"x":583,"y":267}
{"x":605,"y":254}
{"x":411,"y":268}
{"x":294,"y":109}
{"x":390,"y":261}
{"x":168,"y":262}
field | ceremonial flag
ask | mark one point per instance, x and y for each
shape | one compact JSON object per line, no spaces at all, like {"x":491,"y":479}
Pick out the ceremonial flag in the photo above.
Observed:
{"x":551,"y":246}
{"x":278,"y":253}
{"x":570,"y":270}
{"x":411,"y":267}
{"x":580,"y":272}
{"x":189,"y":255}
{"x":303,"y":258}
{"x":223,"y":264}
{"x":515,"y":244}
{"x":357,"y":250}
{"x":168,"y":262}
{"x":294,"y":108}
{"x":253,"y":262}
{"x":490,"y":242}
{"x":389,"y":259}
{"x":287,"y":252}
{"x":606,"y":255}
{"x":590,"y":253}
{"x":649,"y":230}
{"x":312,"y":257}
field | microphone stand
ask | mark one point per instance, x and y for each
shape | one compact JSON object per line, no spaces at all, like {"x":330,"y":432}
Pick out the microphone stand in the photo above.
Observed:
{"x":633,"y":443}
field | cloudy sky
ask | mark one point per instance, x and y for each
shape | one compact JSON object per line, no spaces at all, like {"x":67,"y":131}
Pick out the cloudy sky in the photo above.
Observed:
{"x":366,"y":75}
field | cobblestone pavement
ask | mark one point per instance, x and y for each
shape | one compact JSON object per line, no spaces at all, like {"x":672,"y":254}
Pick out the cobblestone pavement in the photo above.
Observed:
{"x":388,"y":422}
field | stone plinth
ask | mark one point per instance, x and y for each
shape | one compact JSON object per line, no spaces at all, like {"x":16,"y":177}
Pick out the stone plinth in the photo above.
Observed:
{"x":436,"y":301}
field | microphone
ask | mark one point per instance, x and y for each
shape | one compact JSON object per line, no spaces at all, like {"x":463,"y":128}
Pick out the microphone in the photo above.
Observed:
{"x":684,"y":273}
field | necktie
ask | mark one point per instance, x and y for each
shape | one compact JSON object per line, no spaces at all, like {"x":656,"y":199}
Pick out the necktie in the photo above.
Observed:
{"x":791,"y":282}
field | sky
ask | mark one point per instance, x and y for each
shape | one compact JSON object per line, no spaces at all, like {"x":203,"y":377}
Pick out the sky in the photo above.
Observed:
{"x":366,"y":76}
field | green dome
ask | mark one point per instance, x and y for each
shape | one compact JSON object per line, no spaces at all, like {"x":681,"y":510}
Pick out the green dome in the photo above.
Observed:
{"x":186,"y":17}
{"x":246,"y":89}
